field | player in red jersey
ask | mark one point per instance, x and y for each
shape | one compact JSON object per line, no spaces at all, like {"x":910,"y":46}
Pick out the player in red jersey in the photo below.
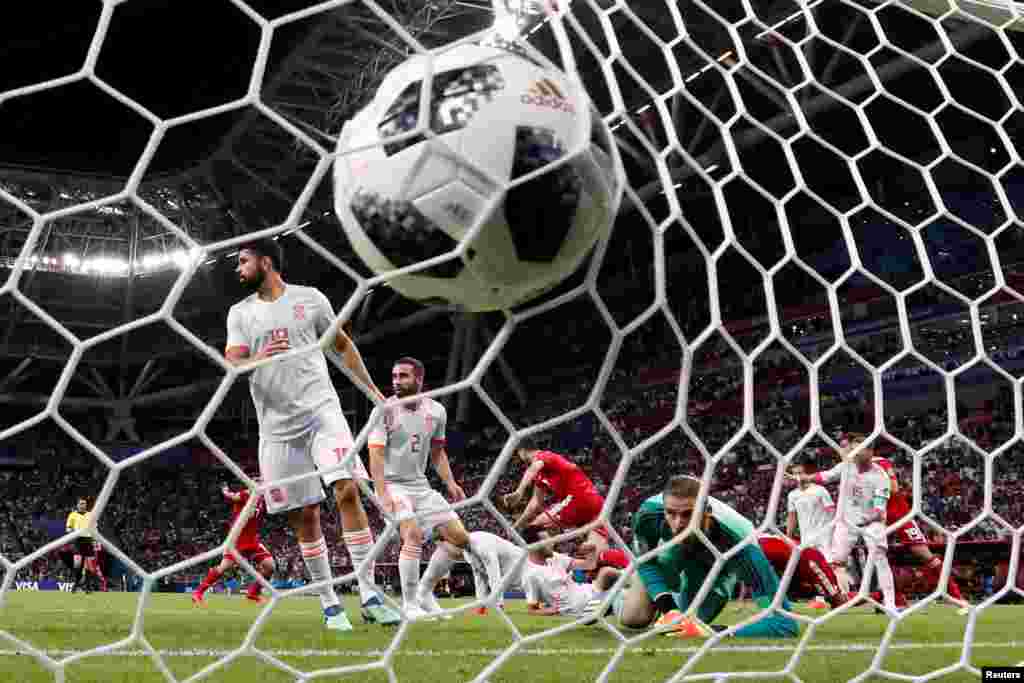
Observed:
{"x":909,"y":534}
{"x":813,"y":572}
{"x":248,"y":546}
{"x":576,"y":500}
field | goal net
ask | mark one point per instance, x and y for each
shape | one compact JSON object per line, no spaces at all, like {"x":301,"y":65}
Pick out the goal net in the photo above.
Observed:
{"x":818,"y":235}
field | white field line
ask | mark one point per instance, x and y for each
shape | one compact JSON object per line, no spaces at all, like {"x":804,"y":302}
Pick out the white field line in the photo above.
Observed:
{"x":539,"y":652}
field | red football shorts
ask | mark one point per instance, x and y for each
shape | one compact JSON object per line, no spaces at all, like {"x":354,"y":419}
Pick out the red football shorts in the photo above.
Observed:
{"x":254,"y":554}
{"x":572,"y":513}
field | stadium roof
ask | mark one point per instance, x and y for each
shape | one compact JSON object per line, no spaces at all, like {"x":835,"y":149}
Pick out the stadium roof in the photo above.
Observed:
{"x":237,"y":171}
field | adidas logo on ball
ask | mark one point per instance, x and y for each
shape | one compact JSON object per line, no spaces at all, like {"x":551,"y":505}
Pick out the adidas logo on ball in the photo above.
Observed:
{"x":545,"y":93}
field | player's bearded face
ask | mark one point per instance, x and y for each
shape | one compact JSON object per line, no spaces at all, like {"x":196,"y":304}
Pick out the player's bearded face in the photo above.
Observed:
{"x":250,"y":270}
{"x":404,"y":380}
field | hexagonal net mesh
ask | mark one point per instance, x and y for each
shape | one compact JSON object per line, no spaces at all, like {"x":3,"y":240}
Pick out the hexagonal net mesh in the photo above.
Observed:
{"x":830,"y":190}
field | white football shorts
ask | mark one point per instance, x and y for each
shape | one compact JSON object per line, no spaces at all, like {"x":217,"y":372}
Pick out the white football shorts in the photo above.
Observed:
{"x":318,"y":453}
{"x":430,"y":507}
{"x":847,"y":535}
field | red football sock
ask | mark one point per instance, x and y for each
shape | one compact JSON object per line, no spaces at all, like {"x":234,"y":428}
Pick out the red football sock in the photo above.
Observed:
{"x":933,"y":572}
{"x":211,"y":578}
{"x":254,"y":589}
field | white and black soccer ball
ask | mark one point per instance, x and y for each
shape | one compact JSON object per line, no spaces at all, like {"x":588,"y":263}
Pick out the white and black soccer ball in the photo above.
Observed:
{"x":498,"y":116}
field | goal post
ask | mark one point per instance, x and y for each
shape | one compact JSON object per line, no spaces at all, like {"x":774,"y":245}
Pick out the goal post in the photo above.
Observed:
{"x":826,"y":195}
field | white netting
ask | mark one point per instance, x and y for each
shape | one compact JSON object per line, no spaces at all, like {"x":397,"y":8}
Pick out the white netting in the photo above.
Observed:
{"x":745,"y":127}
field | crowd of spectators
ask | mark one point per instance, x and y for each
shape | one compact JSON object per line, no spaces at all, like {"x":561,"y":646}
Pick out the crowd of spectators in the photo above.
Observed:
{"x":160,"y":515}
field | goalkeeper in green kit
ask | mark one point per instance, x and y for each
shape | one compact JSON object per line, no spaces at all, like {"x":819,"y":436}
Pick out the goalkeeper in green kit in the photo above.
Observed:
{"x":670,"y":580}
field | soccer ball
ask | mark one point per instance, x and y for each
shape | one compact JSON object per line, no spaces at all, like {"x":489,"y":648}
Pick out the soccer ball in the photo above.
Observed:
{"x":498,"y":115}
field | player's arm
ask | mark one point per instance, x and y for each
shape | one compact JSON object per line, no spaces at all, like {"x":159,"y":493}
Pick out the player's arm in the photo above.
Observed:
{"x":529,"y":475}
{"x":879,"y":501}
{"x":376,"y":443}
{"x":342,"y":344}
{"x":826,"y":477}
{"x":69,"y":525}
{"x":237,"y":351}
{"x":533,"y":604}
{"x":353,"y":360}
{"x":826,"y":500}
{"x":380,"y":486}
{"x":533,"y":508}
{"x":791,"y":524}
{"x":541,"y":610}
{"x":645,"y":537}
{"x":439,"y":456}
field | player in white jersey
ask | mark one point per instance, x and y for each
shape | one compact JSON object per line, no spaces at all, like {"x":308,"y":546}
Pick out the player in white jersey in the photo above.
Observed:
{"x":549,"y":585}
{"x":810,"y":508}
{"x":864,"y":492}
{"x":500,"y":558}
{"x":402,"y":439}
{"x":302,"y":428}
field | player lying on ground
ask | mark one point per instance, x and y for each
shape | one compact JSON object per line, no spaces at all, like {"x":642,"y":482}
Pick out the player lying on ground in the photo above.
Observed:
{"x":563,"y":497}
{"x":813,"y":571}
{"x":302,"y":428}
{"x":499,"y":556}
{"x":402,"y":438}
{"x":85,"y":547}
{"x":549,"y":585}
{"x":809,"y":506}
{"x":248,"y":546}
{"x":669,"y":581}
{"x":864,"y":492}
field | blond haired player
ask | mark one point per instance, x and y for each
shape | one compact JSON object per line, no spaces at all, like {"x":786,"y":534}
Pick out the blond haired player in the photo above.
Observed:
{"x":402,"y":439}
{"x":302,"y":428}
{"x":864,"y":492}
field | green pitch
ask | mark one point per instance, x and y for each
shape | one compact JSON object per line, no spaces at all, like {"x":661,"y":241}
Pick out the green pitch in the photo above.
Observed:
{"x":192,"y":639}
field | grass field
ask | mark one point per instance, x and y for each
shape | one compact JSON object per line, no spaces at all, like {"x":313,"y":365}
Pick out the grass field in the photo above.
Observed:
{"x":191,"y":639}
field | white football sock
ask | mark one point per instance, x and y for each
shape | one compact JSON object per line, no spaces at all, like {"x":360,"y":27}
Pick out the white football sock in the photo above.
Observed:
{"x":359,"y":544}
{"x":314,"y":554}
{"x":886,"y":581}
{"x":440,"y":563}
{"x":409,"y":572}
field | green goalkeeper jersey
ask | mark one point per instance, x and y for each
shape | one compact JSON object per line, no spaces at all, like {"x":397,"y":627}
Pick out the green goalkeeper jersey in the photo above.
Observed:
{"x":665,"y":572}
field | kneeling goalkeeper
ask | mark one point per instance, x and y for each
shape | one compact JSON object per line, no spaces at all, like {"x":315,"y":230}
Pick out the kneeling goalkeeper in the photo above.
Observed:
{"x":670,"y":580}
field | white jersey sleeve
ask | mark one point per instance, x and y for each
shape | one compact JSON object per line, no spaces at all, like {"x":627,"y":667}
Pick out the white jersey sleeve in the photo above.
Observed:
{"x":378,"y":431}
{"x":440,"y":436}
{"x":324,"y":314}
{"x":791,"y":500}
{"x":236,"y":333}
{"x":825,"y":499}
{"x":834,"y":474}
